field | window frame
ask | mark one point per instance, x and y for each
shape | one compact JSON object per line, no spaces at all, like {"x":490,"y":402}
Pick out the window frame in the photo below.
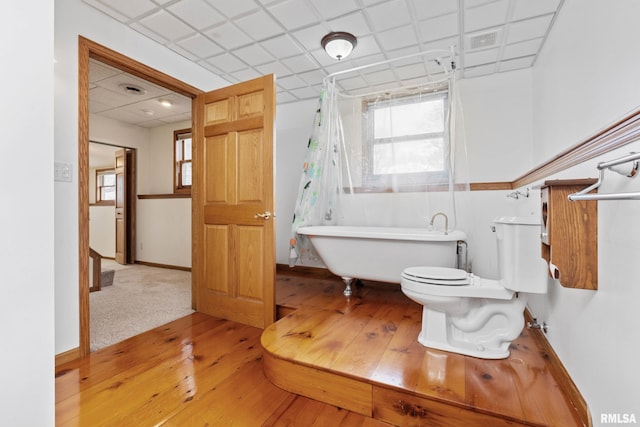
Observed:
{"x":418,"y":181}
{"x":178,"y":186}
{"x":98,"y":195}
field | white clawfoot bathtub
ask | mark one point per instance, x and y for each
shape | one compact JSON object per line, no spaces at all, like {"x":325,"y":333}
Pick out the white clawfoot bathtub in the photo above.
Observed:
{"x":381,"y":253}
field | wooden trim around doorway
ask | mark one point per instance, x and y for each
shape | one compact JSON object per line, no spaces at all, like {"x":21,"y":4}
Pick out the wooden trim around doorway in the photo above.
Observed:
{"x":88,"y":49}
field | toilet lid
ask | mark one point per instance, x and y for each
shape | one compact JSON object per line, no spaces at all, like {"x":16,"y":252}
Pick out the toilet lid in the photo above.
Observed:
{"x":437,"y":275}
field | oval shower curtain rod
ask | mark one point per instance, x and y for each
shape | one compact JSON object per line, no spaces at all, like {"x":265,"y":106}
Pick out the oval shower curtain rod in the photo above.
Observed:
{"x":446,"y":53}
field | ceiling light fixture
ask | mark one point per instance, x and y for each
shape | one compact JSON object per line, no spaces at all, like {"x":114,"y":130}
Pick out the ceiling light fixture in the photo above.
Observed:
{"x":165,"y":102}
{"x":339,"y":44}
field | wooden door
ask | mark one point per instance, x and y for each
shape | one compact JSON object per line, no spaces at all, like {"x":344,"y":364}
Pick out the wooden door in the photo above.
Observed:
{"x":125,"y":206}
{"x":232,"y":195}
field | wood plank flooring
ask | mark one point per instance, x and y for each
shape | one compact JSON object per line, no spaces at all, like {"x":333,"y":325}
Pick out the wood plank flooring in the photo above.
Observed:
{"x":203,"y":371}
{"x":362,"y":354}
{"x":195,"y":371}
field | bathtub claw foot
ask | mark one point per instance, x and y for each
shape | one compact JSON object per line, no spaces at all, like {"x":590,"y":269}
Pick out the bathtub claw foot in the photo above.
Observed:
{"x":347,"y":289}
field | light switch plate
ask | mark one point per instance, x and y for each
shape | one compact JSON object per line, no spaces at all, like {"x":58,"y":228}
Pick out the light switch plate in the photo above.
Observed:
{"x":63,"y":172}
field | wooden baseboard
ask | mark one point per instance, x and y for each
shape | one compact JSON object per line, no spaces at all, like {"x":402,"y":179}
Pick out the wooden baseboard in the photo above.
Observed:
{"x":171,"y":267}
{"x":560,"y":373}
{"x":67,"y":356}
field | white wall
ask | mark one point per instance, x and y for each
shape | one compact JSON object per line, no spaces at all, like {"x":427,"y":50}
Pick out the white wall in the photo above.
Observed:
{"x":74,"y":18}
{"x":585,"y":79}
{"x":27,"y":243}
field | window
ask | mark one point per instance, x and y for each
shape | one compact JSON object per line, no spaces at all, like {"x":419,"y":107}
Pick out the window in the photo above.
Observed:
{"x":406,"y":144}
{"x":105,"y":186}
{"x":182,"y":165}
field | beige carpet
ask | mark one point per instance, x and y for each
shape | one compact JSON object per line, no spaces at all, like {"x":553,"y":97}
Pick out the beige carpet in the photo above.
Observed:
{"x":141,"y":298}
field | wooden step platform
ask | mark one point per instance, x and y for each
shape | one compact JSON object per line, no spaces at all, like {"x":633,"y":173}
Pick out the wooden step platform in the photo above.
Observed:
{"x":362,"y":354}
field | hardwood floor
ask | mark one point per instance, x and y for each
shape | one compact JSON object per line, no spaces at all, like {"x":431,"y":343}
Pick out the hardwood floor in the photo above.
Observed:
{"x":203,"y":371}
{"x":362,"y":354}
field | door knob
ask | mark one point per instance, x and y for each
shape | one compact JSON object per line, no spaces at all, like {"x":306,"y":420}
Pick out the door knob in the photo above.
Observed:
{"x":266,"y":215}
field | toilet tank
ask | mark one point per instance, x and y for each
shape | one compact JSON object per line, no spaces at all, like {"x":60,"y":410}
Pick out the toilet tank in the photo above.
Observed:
{"x":521,"y":266}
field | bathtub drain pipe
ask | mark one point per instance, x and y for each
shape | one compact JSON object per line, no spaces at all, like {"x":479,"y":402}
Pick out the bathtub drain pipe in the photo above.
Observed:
{"x":461,"y":257}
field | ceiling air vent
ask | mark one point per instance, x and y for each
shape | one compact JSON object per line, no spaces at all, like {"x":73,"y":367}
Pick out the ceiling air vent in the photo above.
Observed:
{"x":483,"y":40}
{"x":132,"y":89}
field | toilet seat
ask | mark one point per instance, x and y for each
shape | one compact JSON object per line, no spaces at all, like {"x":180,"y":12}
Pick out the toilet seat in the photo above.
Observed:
{"x":437,"y":276}
{"x":451,"y":282}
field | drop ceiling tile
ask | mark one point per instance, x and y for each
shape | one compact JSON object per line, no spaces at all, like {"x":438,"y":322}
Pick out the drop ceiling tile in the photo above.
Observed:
{"x":475,"y":3}
{"x":246,"y":74}
{"x":366,"y":46}
{"x":433,"y":8}
{"x":526,"y":48}
{"x":333,"y":8}
{"x":259,"y":25}
{"x":310,"y":37}
{"x":306,"y":92}
{"x":528,"y":29}
{"x":110,"y":98}
{"x":131,"y":9}
{"x":481,"y":57}
{"x":291,"y":82}
{"x":445,"y":43}
{"x":183,"y":52}
{"x":390,"y":14}
{"x":227,"y":63}
{"x":200,"y":46}
{"x":482,"y":70}
{"x":313,"y":77}
{"x":299,"y":64}
{"x":197,"y":13}
{"x":253,"y":54}
{"x":516,"y":64}
{"x":380,"y":77}
{"x":285,"y":97}
{"x":352,"y":83}
{"x":485,"y":16}
{"x":234,"y":8}
{"x":294,"y":14}
{"x":397,"y":38}
{"x":97,"y":106}
{"x":167,"y":25}
{"x":274,"y":68}
{"x":282,"y":46}
{"x":439,"y":28}
{"x":411,"y":71}
{"x":354,"y":23}
{"x":210,"y":67}
{"x":147,"y":32}
{"x":527,"y":8}
{"x":228,"y":36}
{"x":99,"y":71}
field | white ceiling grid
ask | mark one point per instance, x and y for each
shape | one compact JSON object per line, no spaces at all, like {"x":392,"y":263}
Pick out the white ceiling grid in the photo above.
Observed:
{"x":242,"y":39}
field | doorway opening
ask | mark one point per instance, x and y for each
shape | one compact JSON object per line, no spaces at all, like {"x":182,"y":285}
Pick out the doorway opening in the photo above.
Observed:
{"x":89,"y":50}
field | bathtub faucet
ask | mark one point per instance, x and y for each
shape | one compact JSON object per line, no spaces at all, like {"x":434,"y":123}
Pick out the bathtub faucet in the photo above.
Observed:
{"x":446,"y":221}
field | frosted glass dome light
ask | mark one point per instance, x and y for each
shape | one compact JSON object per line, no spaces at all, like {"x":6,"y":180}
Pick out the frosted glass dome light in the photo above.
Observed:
{"x":339,"y":45}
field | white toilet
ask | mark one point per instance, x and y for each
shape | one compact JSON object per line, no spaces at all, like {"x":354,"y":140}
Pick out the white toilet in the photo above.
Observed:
{"x":479,"y":317}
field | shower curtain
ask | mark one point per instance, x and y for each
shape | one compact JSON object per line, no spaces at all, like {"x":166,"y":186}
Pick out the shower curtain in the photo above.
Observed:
{"x":389,"y":158}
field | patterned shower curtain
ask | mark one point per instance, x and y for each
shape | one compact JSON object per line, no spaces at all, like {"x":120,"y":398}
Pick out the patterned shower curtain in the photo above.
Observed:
{"x":320,"y":184}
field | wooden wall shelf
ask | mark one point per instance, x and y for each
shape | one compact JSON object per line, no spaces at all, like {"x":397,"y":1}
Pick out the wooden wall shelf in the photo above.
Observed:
{"x":570,"y":234}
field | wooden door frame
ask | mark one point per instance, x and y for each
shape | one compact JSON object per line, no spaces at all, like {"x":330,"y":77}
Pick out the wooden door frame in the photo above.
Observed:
{"x":88,"y":49}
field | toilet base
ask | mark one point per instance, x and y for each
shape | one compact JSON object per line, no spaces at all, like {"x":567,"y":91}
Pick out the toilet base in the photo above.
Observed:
{"x":489,"y":340}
